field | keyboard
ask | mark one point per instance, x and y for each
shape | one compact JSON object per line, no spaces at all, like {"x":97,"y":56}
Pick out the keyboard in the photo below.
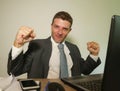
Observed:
{"x":94,"y":85}
{"x":85,"y":83}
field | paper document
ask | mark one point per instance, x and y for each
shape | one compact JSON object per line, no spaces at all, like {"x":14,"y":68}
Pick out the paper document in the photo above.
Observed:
{"x":9,"y":84}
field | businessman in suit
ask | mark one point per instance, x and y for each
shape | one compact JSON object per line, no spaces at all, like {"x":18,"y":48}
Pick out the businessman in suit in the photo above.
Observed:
{"x":41,"y":60}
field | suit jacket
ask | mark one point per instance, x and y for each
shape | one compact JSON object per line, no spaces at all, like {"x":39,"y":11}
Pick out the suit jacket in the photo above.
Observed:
{"x":36,"y":60}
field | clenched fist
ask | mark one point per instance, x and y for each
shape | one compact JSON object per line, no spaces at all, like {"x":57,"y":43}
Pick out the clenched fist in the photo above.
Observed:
{"x":93,"y":48}
{"x":24,"y":34}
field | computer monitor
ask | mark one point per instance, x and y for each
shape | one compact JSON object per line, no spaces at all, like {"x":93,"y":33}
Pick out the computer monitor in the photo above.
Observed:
{"x":111,"y":76}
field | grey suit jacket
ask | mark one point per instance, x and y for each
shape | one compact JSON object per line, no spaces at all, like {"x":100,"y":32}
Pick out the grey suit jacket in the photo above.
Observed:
{"x":36,"y":60}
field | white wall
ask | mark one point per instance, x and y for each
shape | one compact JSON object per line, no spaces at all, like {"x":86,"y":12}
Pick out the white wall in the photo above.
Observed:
{"x":91,"y":22}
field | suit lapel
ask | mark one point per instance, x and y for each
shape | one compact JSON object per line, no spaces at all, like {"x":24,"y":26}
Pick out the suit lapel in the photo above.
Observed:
{"x":46,"y":56}
{"x":70,"y":49}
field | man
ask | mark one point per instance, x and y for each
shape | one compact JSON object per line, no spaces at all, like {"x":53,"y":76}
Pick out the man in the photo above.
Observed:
{"x":41,"y":60}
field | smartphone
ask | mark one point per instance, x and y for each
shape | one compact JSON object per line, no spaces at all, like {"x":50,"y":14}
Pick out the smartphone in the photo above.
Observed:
{"x":29,"y":84}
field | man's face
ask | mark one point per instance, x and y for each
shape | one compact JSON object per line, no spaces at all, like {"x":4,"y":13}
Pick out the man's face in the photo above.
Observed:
{"x":60,"y":29}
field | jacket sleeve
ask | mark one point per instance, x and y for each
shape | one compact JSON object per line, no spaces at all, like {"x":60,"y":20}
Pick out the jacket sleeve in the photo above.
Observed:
{"x":14,"y":66}
{"x":21,"y":64}
{"x":89,"y":65}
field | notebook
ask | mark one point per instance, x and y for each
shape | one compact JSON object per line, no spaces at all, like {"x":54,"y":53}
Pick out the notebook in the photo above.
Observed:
{"x":110,"y":79}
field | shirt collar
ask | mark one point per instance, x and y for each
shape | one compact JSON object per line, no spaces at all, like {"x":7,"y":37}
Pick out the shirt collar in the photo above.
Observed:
{"x":56,"y":44}
{"x":52,"y":40}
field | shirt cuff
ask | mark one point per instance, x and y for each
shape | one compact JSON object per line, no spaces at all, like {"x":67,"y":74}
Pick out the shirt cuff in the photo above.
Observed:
{"x":16,"y":51}
{"x":95,"y":58}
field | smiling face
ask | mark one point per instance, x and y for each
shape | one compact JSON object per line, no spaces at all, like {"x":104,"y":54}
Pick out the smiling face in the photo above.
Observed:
{"x":60,"y":29}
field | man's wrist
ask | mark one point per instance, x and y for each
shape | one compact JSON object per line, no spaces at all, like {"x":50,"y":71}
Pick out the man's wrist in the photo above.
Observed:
{"x":16,"y":51}
{"x":95,"y":58}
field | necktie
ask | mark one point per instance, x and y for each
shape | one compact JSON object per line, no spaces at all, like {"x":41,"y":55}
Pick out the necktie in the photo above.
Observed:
{"x":63,"y":62}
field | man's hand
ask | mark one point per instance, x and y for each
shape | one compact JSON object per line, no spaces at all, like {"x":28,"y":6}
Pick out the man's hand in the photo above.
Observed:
{"x":93,"y":48}
{"x":24,"y":34}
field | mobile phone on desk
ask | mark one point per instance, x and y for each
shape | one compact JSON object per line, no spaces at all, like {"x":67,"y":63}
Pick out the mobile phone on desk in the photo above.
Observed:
{"x":29,"y":84}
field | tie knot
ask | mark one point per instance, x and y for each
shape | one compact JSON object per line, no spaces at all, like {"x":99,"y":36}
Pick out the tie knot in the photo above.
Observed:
{"x":60,"y":46}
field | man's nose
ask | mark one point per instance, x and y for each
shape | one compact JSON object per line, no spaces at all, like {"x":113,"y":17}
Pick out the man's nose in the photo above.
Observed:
{"x":60,"y":31}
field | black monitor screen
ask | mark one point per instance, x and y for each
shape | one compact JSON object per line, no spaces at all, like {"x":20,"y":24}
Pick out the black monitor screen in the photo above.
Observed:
{"x":111,"y":77}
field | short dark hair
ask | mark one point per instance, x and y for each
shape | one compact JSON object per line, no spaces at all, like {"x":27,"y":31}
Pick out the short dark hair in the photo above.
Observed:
{"x":64,"y":16}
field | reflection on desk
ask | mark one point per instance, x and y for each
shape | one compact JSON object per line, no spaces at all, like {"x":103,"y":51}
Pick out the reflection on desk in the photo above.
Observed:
{"x":44,"y":82}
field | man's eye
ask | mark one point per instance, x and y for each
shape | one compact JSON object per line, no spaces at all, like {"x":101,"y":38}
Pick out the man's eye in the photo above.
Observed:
{"x":65,"y":29}
{"x":55,"y":26}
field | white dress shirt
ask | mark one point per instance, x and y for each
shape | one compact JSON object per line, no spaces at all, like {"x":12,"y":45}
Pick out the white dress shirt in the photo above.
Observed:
{"x":54,"y":63}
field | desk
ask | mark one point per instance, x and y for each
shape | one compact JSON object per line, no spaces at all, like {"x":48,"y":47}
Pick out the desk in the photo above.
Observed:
{"x":45,"y":81}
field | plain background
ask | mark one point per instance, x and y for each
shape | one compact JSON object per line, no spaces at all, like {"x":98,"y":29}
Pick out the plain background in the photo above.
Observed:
{"x":91,"y":23}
